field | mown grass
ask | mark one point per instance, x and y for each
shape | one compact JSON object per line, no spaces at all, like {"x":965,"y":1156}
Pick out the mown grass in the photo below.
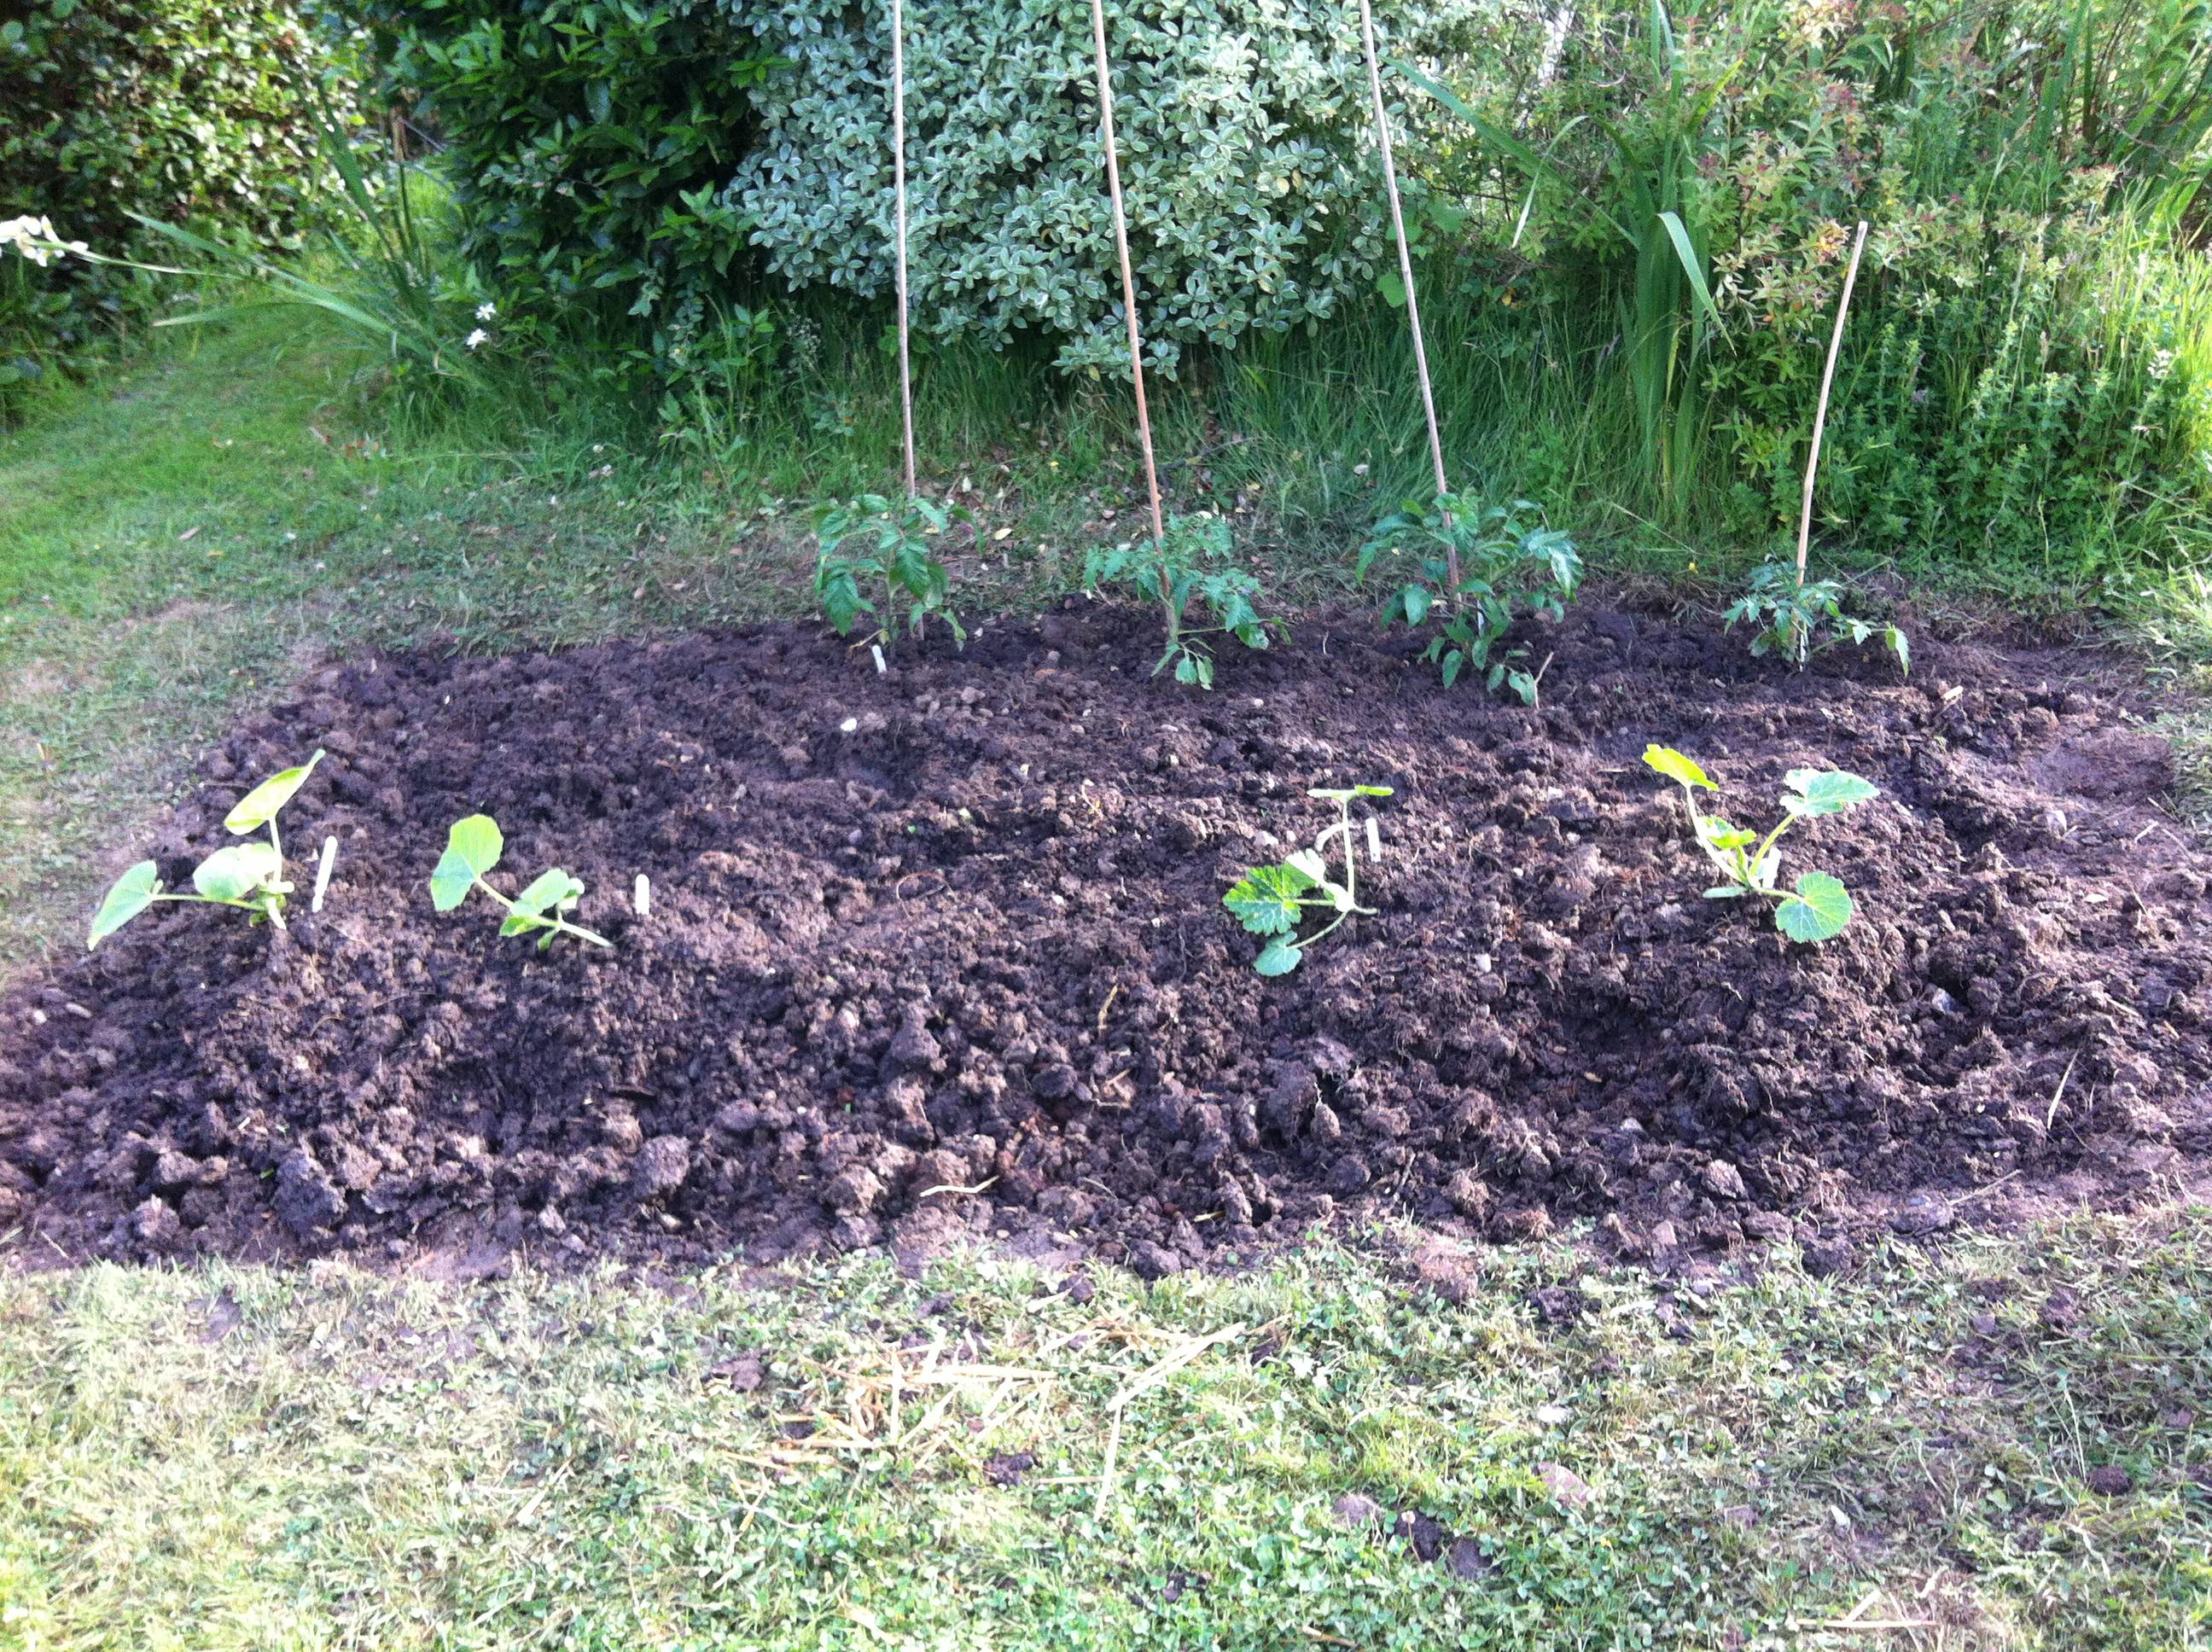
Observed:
{"x":833,"y":1455}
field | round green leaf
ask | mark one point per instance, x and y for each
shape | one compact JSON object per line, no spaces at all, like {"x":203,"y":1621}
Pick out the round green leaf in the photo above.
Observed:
{"x":1828,"y":791}
{"x":477,"y":840}
{"x":1279,"y":957}
{"x":547,"y":890}
{"x":131,"y":895}
{"x":1676,"y":767}
{"x":235,"y":872}
{"x":1817,"y":912}
{"x":257,"y":807}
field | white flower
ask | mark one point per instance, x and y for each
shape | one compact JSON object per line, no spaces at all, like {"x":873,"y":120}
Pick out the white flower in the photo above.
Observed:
{"x":486,"y":311}
{"x":477,"y":337}
{"x":33,"y":238}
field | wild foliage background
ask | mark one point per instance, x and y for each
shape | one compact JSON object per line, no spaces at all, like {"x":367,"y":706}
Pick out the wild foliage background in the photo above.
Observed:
{"x":669,"y":220}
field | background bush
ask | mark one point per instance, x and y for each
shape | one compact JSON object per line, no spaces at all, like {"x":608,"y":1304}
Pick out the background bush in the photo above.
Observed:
{"x":1247,"y":163}
{"x":181,"y":110}
{"x":2027,"y":382}
{"x":589,"y":147}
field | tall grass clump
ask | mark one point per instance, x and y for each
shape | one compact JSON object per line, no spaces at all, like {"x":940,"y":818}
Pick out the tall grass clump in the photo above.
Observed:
{"x":2022,"y":392}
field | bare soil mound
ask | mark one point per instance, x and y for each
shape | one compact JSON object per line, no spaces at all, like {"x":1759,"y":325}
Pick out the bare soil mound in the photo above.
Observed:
{"x":947,"y":948}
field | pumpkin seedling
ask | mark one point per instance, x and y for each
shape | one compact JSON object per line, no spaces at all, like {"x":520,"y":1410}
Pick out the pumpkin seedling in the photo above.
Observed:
{"x":894,"y":560}
{"x":1191,"y":564}
{"x":1502,"y":567}
{"x":1792,"y":620}
{"x":473,"y":847}
{"x":1271,"y":901}
{"x":1819,"y":907}
{"x":249,"y":876}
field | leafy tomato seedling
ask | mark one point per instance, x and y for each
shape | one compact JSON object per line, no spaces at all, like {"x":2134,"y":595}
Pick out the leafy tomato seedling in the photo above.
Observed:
{"x":1191,"y":563}
{"x":249,"y":876}
{"x":1792,"y":620}
{"x":1819,"y":907}
{"x":473,"y":847}
{"x":1272,"y":901}
{"x":1472,"y":568}
{"x":895,"y":561}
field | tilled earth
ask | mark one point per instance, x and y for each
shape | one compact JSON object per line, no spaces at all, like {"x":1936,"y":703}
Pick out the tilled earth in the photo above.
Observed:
{"x":945,"y":949}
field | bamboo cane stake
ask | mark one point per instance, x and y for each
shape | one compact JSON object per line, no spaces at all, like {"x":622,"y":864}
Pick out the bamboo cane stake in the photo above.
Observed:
{"x":1129,"y":282}
{"x":1405,"y":267}
{"x":898,"y":182}
{"x":1821,"y":416}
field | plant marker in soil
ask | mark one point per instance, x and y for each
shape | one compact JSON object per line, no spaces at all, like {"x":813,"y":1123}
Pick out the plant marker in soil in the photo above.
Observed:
{"x":322,"y":873}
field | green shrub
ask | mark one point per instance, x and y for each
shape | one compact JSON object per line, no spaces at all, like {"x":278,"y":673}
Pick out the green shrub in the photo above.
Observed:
{"x":589,"y":147}
{"x":2025,"y":386}
{"x":180,"y":110}
{"x":1247,"y":163}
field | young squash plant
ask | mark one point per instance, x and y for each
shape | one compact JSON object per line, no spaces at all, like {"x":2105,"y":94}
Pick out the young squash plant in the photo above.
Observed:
{"x":1792,"y":622}
{"x":248,"y":876}
{"x":1819,"y":908}
{"x":1192,"y":562}
{"x":1503,"y":568}
{"x":1272,"y":901}
{"x":875,"y":560}
{"x":473,"y":846}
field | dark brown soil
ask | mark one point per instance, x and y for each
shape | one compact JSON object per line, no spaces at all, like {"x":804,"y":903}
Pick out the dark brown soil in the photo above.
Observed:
{"x":946,"y":949}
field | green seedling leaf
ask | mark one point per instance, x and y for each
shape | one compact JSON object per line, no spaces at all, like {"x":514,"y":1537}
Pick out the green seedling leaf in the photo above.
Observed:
{"x":129,"y":895}
{"x":548,"y":891}
{"x":257,"y":807}
{"x":1817,"y":912}
{"x":1828,"y":791}
{"x":1722,"y":835}
{"x":1265,"y":899}
{"x":1280,"y":957}
{"x":233,"y":873}
{"x":473,"y":846}
{"x":1309,"y":862}
{"x":1725,"y":891}
{"x":1676,"y":767}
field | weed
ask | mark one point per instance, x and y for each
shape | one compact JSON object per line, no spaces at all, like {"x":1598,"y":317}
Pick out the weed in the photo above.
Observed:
{"x":1504,"y":569}
{"x":1192,"y":560}
{"x":897,"y":562}
{"x":1821,"y":905}
{"x":473,"y":847}
{"x":1793,"y":620}
{"x":248,"y":876}
{"x":1270,"y":901}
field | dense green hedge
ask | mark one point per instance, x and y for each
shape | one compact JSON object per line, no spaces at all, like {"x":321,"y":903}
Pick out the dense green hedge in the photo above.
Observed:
{"x":181,"y":110}
{"x":1245,"y":134}
{"x":658,"y":158}
{"x":589,"y":146}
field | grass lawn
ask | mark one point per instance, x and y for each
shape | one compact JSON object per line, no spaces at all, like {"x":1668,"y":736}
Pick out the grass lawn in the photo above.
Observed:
{"x":2005,"y":1442}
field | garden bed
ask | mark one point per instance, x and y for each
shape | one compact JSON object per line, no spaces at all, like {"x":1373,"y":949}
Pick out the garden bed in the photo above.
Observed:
{"x":946,"y":949}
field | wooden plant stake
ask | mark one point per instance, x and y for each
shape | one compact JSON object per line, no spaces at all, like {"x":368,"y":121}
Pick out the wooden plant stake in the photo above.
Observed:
{"x":1405,"y":270}
{"x":898,"y":182}
{"x":1129,"y":284}
{"x":1821,"y":416}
